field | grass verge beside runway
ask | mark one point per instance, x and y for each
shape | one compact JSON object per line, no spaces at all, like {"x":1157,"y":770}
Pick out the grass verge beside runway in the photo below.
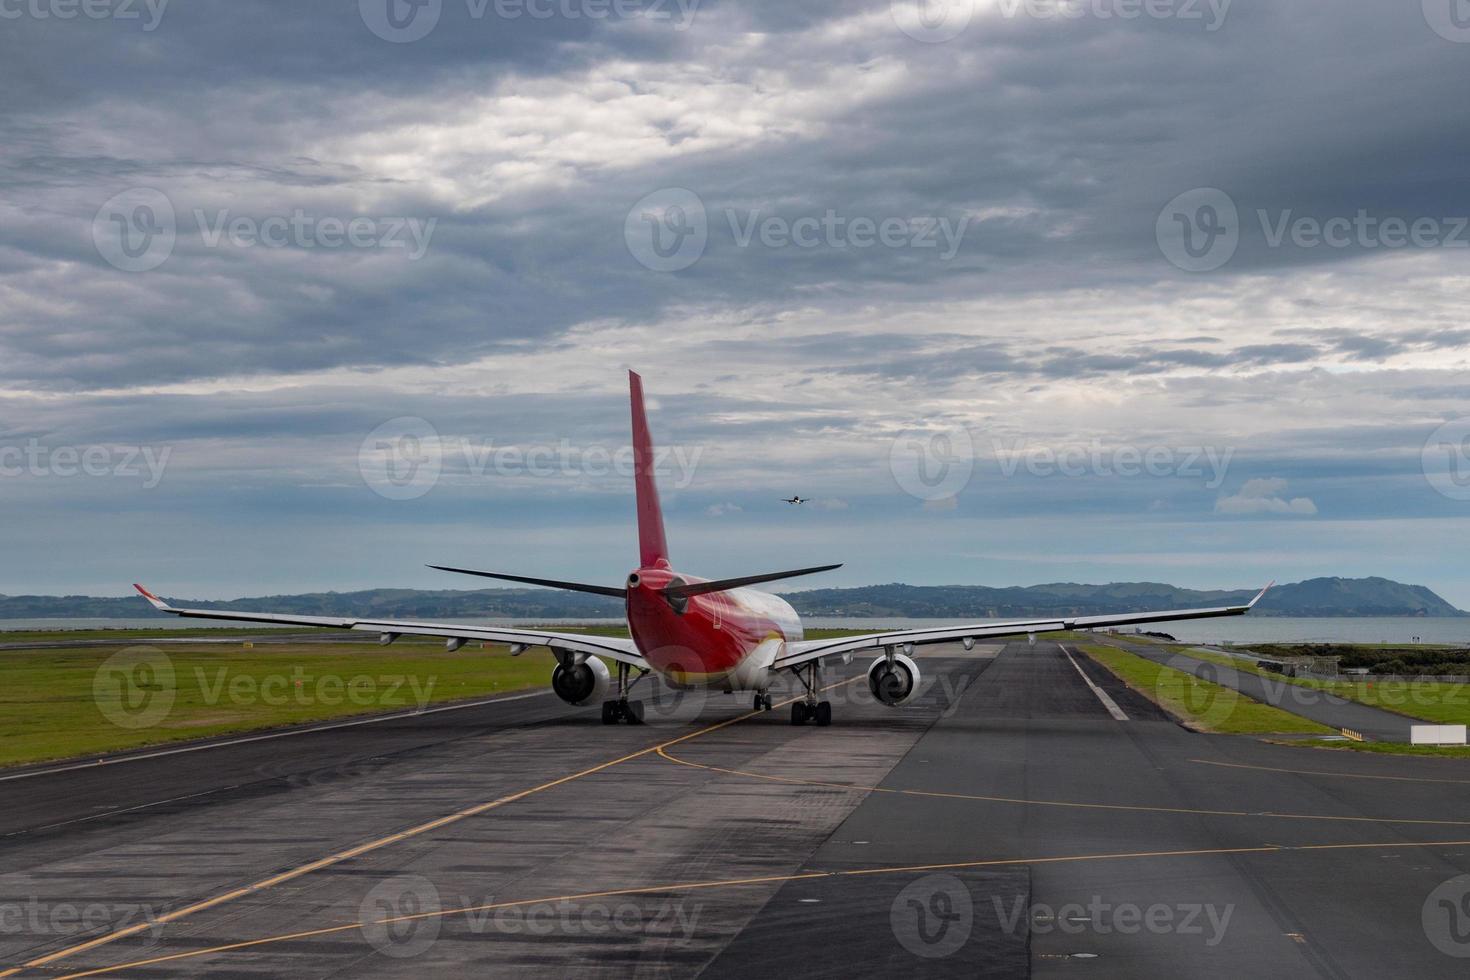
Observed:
{"x":1388,"y":748}
{"x":67,"y":703}
{"x":141,"y":633}
{"x":1439,"y":702}
{"x":1200,"y":704}
{"x":63,"y":703}
{"x":166,"y":632}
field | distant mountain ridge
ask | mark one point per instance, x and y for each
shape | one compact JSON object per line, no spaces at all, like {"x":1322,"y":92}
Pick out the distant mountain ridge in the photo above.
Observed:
{"x":1328,"y":597}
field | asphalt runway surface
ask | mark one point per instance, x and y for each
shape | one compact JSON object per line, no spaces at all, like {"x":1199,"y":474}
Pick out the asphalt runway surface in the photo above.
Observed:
{"x":1005,"y":824}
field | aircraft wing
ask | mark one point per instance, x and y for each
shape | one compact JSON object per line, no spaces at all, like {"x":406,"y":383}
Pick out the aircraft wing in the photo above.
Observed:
{"x":620,"y":650}
{"x":805,"y":651}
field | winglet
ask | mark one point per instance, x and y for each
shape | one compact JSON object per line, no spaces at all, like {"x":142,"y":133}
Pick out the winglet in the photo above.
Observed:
{"x":1261,"y":593}
{"x":156,"y":602}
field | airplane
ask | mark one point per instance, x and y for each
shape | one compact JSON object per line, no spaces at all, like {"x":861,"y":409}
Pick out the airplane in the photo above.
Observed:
{"x":794,"y":500}
{"x":696,"y":633}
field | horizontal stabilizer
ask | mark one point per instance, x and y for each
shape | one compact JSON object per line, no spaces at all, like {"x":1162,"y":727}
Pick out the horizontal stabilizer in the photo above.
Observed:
{"x":550,"y":583}
{"x":704,"y":588}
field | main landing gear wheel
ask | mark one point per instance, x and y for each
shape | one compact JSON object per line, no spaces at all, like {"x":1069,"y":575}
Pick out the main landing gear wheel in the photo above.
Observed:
{"x":804,"y":711}
{"x":622,"y":710}
{"x":810,"y":709}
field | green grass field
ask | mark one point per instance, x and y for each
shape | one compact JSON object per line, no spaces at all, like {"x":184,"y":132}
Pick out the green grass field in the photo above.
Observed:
{"x":1201,"y":704}
{"x":1391,"y":748}
{"x":124,"y":635}
{"x":1433,"y":701}
{"x":165,"y":632}
{"x":62,"y":703}
{"x":81,"y":701}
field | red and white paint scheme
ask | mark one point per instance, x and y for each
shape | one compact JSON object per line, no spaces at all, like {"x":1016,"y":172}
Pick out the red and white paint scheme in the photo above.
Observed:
{"x":696,"y":633}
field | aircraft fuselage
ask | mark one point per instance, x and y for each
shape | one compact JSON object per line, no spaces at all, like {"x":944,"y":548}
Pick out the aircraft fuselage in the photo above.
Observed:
{"x":725,"y":641}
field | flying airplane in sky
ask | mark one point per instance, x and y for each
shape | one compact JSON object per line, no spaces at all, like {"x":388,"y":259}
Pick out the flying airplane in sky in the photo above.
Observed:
{"x":794,"y":500}
{"x":696,"y":633}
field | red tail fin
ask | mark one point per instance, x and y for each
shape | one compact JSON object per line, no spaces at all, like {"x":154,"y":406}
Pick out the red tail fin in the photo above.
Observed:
{"x":651,"y":547}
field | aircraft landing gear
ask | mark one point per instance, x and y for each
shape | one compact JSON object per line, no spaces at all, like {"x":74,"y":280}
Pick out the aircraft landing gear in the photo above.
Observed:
{"x":810,"y":709}
{"x":820,"y":713}
{"x":623,"y":709}
{"x":762,"y":702}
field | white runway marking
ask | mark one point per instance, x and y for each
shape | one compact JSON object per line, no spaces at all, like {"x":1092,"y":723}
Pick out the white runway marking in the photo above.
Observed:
{"x":1107,"y":702}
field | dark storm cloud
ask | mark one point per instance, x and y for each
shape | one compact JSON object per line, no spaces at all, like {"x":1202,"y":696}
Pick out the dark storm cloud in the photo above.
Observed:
{"x":1366,"y":347}
{"x":1046,"y":148}
{"x":341,"y":416}
{"x":1058,"y":143}
{"x":938,"y":362}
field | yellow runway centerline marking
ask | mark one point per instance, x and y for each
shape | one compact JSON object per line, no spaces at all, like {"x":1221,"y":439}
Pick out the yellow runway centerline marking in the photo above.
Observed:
{"x":738,"y":882}
{"x":661,"y":750}
{"x":934,"y":794}
{"x":1319,"y":772}
{"x":371,"y":846}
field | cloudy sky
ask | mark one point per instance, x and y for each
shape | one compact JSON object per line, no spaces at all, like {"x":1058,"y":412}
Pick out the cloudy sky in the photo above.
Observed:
{"x":300,"y":296}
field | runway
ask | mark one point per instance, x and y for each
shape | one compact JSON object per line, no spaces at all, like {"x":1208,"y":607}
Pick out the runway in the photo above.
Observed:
{"x":1006,"y":824}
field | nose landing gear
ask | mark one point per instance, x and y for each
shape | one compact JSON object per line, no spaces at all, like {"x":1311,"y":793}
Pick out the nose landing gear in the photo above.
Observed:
{"x":762,"y":702}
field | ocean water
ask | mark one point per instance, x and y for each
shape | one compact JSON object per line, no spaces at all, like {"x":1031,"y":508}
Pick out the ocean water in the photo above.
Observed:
{"x":1257,"y":629}
{"x":1235,"y":629}
{"x":171,"y":622}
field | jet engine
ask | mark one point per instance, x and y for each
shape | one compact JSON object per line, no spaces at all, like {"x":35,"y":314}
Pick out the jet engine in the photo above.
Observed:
{"x":583,"y":683}
{"x":894,"y":683}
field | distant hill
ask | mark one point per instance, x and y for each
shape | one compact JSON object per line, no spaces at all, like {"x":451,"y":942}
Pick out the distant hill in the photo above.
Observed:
{"x":1356,"y":597}
{"x":387,"y":603}
{"x":1315,"y":597}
